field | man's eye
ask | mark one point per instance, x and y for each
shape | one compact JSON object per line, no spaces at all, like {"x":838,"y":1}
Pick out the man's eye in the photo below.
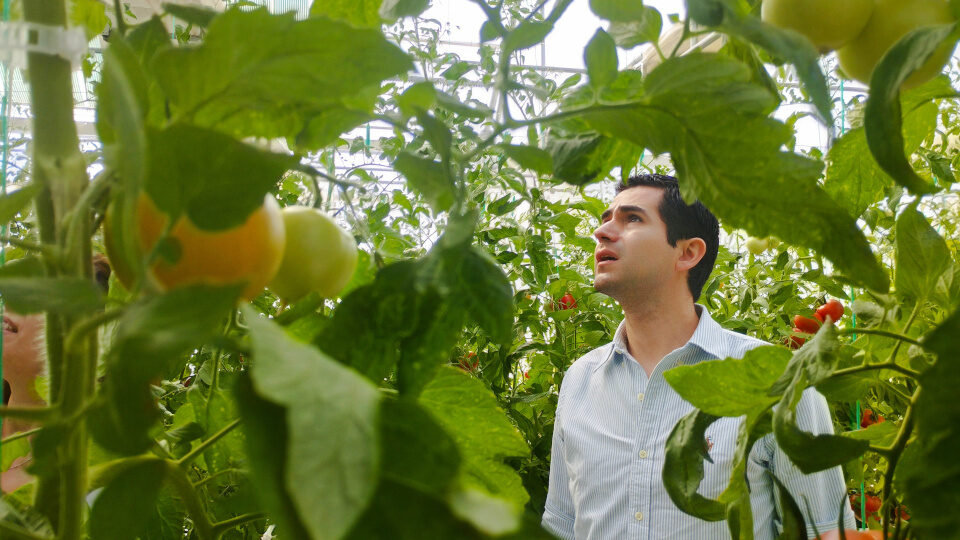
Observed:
{"x":634,"y":218}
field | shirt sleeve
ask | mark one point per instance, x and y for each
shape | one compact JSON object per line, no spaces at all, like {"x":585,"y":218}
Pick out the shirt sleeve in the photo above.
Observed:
{"x":818,"y":494}
{"x":558,"y":514}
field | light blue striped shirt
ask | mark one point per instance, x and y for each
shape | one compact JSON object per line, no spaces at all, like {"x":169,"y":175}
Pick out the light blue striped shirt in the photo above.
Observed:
{"x":609,"y":436}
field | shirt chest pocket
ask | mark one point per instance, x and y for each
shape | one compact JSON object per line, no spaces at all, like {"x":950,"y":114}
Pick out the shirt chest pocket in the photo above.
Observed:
{"x":721,"y":440}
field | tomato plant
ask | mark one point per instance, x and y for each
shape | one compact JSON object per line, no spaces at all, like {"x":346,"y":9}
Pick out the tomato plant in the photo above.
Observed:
{"x":330,"y":405}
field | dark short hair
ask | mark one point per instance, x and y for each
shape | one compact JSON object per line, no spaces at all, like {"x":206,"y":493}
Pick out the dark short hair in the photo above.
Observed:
{"x":683,"y":221}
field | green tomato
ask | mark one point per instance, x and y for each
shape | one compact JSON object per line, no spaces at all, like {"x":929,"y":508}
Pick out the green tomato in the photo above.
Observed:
{"x":757,"y":245}
{"x":319,"y":255}
{"x":829,"y":24}
{"x":891,"y":20}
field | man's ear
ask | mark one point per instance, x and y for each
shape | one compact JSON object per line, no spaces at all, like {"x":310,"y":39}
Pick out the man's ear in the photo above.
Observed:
{"x":692,"y":251}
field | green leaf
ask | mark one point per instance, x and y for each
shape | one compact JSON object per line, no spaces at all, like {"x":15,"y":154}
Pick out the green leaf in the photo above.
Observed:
{"x":266,"y":75}
{"x":705,"y":12}
{"x":61,"y":295}
{"x":813,"y":363}
{"x":794,"y":526}
{"x":478,"y":283}
{"x":646,"y":29}
{"x":214,"y":179}
{"x":539,"y":258}
{"x":321,"y":397}
{"x":392,"y":10}
{"x":528,"y":34}
{"x":27,"y":267}
{"x":359,"y":13}
{"x":922,"y":256}
{"x":14,"y":202}
{"x":619,"y":10}
{"x":731,"y":387}
{"x":683,"y":467}
{"x":929,"y":477}
{"x":704,"y":110}
{"x":399,"y":512}
{"x":152,"y":336}
{"x":415,"y":450}
{"x":529,"y":157}
{"x":600,"y":57}
{"x":427,"y":177}
{"x":267,"y":442}
{"x":940,"y":168}
{"x":810,"y":453}
{"x":882,"y":117}
{"x":469,"y":412}
{"x":880,"y":434}
{"x":121,"y":510}
{"x":91,"y":15}
{"x":573,"y":157}
{"x":854,"y":179}
{"x":437,"y":134}
{"x":419,"y":97}
{"x":326,"y":126}
{"x":195,"y":15}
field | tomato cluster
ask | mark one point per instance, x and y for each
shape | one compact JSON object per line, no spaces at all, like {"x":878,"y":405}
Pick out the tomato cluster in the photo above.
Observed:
{"x":863,"y":30}
{"x":870,"y":418}
{"x":831,"y":310}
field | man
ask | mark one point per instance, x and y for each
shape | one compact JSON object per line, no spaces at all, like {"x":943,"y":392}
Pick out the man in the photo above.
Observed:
{"x":654,"y":253}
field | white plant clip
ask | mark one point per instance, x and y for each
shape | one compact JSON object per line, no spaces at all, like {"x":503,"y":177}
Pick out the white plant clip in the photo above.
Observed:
{"x":17,"y":38}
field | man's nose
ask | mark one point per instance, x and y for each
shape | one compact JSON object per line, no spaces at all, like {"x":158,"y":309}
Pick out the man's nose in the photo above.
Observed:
{"x":605,"y":232}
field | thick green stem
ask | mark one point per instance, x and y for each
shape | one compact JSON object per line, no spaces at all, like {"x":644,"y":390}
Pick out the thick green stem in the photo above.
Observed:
{"x":59,"y":168}
{"x":225,"y":525}
{"x":893,"y":457}
{"x":209,"y":442}
{"x":878,"y":332}
{"x":181,"y":483}
{"x":869,"y":367}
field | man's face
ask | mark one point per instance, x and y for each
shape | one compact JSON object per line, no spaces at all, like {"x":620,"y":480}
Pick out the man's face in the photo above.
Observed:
{"x":22,"y":346}
{"x":632,"y":254}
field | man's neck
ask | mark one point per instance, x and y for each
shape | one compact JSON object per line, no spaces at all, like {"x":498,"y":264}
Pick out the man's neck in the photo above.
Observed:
{"x":657,"y":328}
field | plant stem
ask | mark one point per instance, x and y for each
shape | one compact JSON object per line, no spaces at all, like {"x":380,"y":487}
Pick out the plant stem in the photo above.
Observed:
{"x":20,"y":435}
{"x":183,"y":486}
{"x":893,"y":456}
{"x":36,"y":414}
{"x":906,"y":327}
{"x":207,"y":443}
{"x":878,"y":332}
{"x":214,"y":476}
{"x":223,"y":526}
{"x":868,"y":367}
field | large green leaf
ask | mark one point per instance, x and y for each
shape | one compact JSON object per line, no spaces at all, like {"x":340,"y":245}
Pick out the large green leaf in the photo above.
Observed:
{"x":332,"y":413}
{"x":16,"y":201}
{"x":215,"y":180}
{"x":121,"y":510}
{"x":922,"y":256}
{"x":61,"y":295}
{"x":705,"y":112}
{"x":683,"y":467}
{"x":882,"y":116}
{"x":267,"y":75}
{"x":469,"y":412}
{"x":359,"y":13}
{"x":600,"y":56}
{"x":930,"y":477}
{"x":429,"y":178}
{"x":731,"y":387}
{"x":415,"y":450}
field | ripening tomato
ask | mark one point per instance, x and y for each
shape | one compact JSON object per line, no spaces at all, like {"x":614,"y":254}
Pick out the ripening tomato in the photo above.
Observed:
{"x":806,"y":324}
{"x":833,"y":309}
{"x":827,"y":23}
{"x":248,"y":253}
{"x":567,"y":301}
{"x":890,"y":21}
{"x":869,"y":418}
{"x":319,"y":256}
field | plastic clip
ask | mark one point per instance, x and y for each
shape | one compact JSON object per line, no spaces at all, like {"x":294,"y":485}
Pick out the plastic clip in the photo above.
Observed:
{"x":17,"y":38}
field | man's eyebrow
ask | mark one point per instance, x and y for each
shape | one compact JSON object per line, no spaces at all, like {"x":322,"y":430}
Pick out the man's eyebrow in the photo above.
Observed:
{"x":626,"y":209}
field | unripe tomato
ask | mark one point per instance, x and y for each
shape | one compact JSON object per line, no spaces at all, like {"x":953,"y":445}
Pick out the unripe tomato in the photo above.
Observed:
{"x":320,"y":256}
{"x":567,"y":301}
{"x":829,"y":24}
{"x":757,"y":245}
{"x":806,"y":324}
{"x":249,"y":252}
{"x":833,"y":308}
{"x":852,"y":534}
{"x":891,"y":20}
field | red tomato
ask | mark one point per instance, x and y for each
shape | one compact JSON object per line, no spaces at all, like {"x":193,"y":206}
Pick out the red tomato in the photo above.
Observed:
{"x":568,"y":301}
{"x":869,"y":418}
{"x":526,"y":375}
{"x":795,"y":342}
{"x":818,"y":316}
{"x":873,"y":504}
{"x":833,"y":308}
{"x":806,"y":324}
{"x":466,"y":364}
{"x":852,"y":535}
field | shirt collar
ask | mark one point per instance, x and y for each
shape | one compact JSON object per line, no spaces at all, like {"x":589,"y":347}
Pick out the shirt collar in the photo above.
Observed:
{"x":708,"y":336}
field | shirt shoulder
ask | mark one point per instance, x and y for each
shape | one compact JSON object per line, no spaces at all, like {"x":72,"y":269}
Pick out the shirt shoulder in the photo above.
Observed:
{"x":736,"y":345}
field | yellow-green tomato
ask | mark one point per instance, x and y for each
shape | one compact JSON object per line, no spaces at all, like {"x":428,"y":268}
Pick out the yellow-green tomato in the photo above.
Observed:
{"x":319,"y":255}
{"x":829,"y":24}
{"x":757,"y":245}
{"x":891,"y":20}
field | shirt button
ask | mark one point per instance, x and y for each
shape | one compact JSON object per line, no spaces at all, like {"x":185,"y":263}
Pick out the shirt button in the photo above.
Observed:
{"x":639,"y":516}
{"x":640,"y":396}
{"x":643,"y":454}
